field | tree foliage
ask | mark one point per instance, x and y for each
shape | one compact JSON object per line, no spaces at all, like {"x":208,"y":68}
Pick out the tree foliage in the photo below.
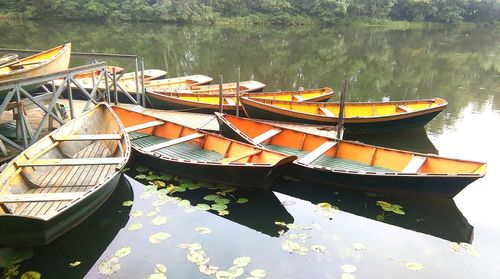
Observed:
{"x":274,"y":11}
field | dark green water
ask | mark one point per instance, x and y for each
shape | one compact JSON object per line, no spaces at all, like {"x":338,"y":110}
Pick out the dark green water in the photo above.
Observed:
{"x":460,"y":65}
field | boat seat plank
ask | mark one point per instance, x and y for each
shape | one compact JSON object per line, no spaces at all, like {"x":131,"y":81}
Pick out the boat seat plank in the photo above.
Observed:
{"x":320,"y":150}
{"x":405,"y":108}
{"x":266,"y":135}
{"x":230,"y":101}
{"x":415,"y":163}
{"x":298,"y":97}
{"x":144,"y":126}
{"x":73,"y":162}
{"x":40,"y":197}
{"x":326,"y":111}
{"x":173,"y":142}
{"x":240,"y":156}
{"x":92,"y":137}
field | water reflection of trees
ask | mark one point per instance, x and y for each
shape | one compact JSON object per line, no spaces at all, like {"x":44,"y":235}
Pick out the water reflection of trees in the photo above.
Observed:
{"x":403,"y":64}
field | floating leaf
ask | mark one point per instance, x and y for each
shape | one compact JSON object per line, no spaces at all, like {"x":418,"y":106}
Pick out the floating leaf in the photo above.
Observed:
{"x":140,"y":176}
{"x":127,"y":203}
{"x":184,"y":203}
{"x":259,"y":273}
{"x":159,"y":220}
{"x":135,"y":226}
{"x":122,"y":252}
{"x":208,"y":269}
{"x":236,"y":271}
{"x":223,"y":275}
{"x":455,"y":247}
{"x":348,"y":268}
{"x":291,"y":226}
{"x":75,"y":263}
{"x":10,"y":256}
{"x":136,"y":213}
{"x":197,"y":257}
{"x":152,"y":177}
{"x":242,"y":261}
{"x":348,"y":276}
{"x":319,"y":248}
{"x":157,"y":276}
{"x":211,"y":197}
{"x":380,"y":217}
{"x":203,"y":206}
{"x":180,"y":188}
{"x":31,"y":275}
{"x":108,"y":267}
{"x":159,"y":183}
{"x":280,"y":223}
{"x":223,"y":212}
{"x":358,"y":246}
{"x":125,"y":169}
{"x":383,"y":204}
{"x":218,"y":206}
{"x":203,"y":230}
{"x":195,"y":246}
{"x":414,"y":266}
{"x":222,"y":201}
{"x":324,"y":205}
{"x":305,"y":228}
{"x":242,"y":200}
{"x":158,"y":237}
{"x":160,"y":268}
{"x":294,"y":247}
{"x":142,"y":169}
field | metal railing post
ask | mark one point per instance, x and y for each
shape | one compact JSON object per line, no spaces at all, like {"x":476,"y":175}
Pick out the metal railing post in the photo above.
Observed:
{"x":221,"y":80}
{"x":115,"y":91}
{"x":143,"y":87}
{"x":70,"y":97}
{"x":137,"y":81}
{"x":238,"y":91}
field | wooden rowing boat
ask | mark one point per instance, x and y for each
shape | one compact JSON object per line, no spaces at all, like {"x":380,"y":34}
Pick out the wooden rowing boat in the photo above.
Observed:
{"x":360,"y":118}
{"x":200,"y":155}
{"x":175,"y":82}
{"x":50,"y":61}
{"x":356,"y":165}
{"x":109,"y":69}
{"x":208,"y":103}
{"x":227,"y":88}
{"x":61,"y":179}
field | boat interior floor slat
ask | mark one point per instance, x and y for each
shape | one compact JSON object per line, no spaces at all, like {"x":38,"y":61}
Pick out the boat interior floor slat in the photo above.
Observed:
{"x":184,"y":151}
{"x":327,"y":161}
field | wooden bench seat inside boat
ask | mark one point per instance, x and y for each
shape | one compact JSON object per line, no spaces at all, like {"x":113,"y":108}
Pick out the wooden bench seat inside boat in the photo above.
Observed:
{"x":184,"y":150}
{"x":93,"y":137}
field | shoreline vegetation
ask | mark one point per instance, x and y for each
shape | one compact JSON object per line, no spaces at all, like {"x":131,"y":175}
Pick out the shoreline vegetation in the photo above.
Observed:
{"x":379,"y":13}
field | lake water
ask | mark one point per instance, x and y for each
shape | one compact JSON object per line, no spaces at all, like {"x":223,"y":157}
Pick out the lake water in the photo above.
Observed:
{"x":461,"y":65}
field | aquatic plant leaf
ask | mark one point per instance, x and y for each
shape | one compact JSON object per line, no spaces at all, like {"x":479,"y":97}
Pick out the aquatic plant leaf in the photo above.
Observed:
{"x":358,"y":246}
{"x":203,"y":206}
{"x":222,"y":201}
{"x":223,"y":275}
{"x":348,"y":268}
{"x":109,"y":266}
{"x":324,"y":205}
{"x":291,"y":226}
{"x":211,"y":197}
{"x":197,"y":257}
{"x":141,"y":176}
{"x":142,"y":169}
{"x":158,"y":237}
{"x":217,"y":206}
{"x":235,"y":271}
{"x":180,"y":188}
{"x":398,"y":211}
{"x":190,"y":185}
{"x":124,"y":251}
{"x":414,"y":266}
{"x":152,"y":177}
{"x":242,"y":200}
{"x":159,"y":220}
{"x":306,"y":228}
{"x":151,"y":213}
{"x":75,"y":263}
{"x":159,"y":183}
{"x":194,"y":246}
{"x":242,"y":261}
{"x":223,"y":212}
{"x":125,"y":169}
{"x":348,"y":276}
{"x":383,"y":204}
{"x":470,"y":249}
{"x":203,"y":230}
{"x":127,"y":203}
{"x":208,"y":269}
{"x":259,"y":273}
{"x":294,"y":247}
{"x":380,"y":217}
{"x":134,"y":226}
{"x":319,"y":248}
{"x":455,"y":247}
{"x":157,"y":276}
{"x":280,"y":223}
{"x":136,"y":213}
{"x":160,"y":268}
{"x":31,"y":275}
{"x":10,"y":256}
{"x":184,"y":203}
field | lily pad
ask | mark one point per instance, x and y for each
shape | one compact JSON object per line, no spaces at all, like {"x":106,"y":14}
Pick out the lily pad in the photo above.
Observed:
{"x":242,"y":200}
{"x":135,"y":226}
{"x":142,"y":169}
{"x":109,"y":266}
{"x":158,"y":237}
{"x":136,"y":213}
{"x":222,"y":201}
{"x":140,"y":176}
{"x":211,"y":197}
{"x":358,"y":246}
{"x":280,"y":223}
{"x":223,"y":212}
{"x":218,"y":206}
{"x":31,"y":275}
{"x":157,"y":276}
{"x":223,"y":275}
{"x":259,"y":273}
{"x":152,"y":177}
{"x":242,"y":261}
{"x":414,"y":266}
{"x":127,"y":203}
{"x":180,"y":188}
{"x":236,"y":271}
{"x":159,"y":183}
{"x":348,"y":268}
{"x":160,"y":268}
{"x":348,"y":276}
{"x":203,"y":230}
{"x":208,"y":269}
{"x":159,"y":220}
{"x":203,"y":206}
{"x":75,"y":263}
{"x":184,"y":203}
{"x":319,"y":248}
{"x":324,"y":205}
{"x":122,"y":252}
{"x":197,"y":257}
